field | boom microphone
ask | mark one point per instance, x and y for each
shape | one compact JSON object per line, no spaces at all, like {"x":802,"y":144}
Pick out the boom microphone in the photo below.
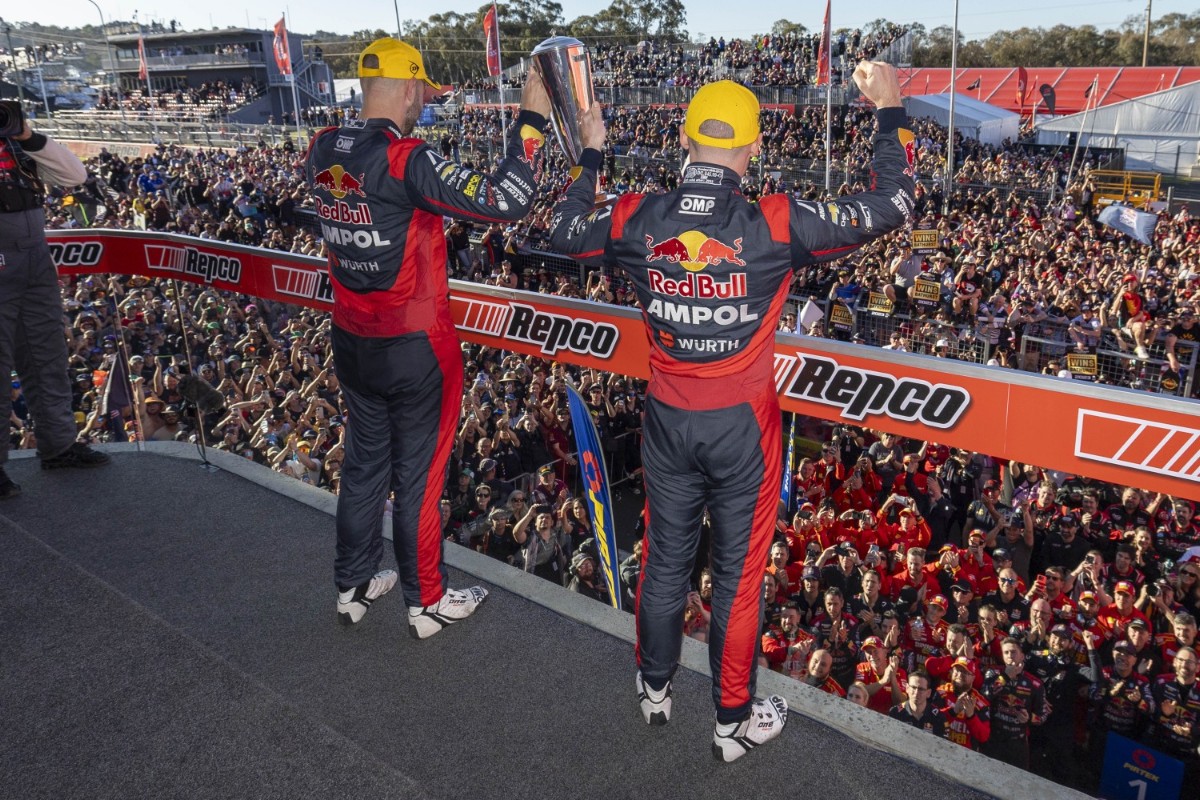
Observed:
{"x":201,"y":394}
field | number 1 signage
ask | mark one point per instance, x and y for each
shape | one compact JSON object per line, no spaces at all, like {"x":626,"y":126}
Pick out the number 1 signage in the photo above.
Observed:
{"x":1133,"y":771}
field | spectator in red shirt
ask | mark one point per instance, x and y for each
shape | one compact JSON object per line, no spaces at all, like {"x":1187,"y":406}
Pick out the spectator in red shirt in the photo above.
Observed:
{"x":967,"y":719}
{"x":787,"y":647}
{"x":1115,"y":618}
{"x":880,"y":672}
{"x":1129,"y":309}
{"x":912,"y":575}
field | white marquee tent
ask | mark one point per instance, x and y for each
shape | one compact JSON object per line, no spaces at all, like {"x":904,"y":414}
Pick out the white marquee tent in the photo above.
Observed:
{"x":973,"y":119}
{"x":1159,"y":132}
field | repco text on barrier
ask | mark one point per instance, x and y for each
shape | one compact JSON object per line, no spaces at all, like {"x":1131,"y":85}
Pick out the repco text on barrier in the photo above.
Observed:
{"x":860,"y":392}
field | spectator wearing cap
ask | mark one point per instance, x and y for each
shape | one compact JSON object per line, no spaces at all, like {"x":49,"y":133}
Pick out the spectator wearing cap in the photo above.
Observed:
{"x":841,"y":569}
{"x":968,"y":721}
{"x":1063,"y":678}
{"x":171,"y":425}
{"x":809,"y":599}
{"x":908,"y":531}
{"x":487,"y":477}
{"x":925,"y":635}
{"x":544,"y":549}
{"x":1116,"y":616}
{"x":787,"y":646}
{"x":1148,"y":659}
{"x":1184,"y":330}
{"x":1018,"y":704}
{"x":882,"y":675}
{"x":549,"y":489}
{"x":585,"y":578}
{"x":1085,"y":329}
{"x":964,"y":609}
{"x":917,"y":709}
{"x":988,"y":513}
{"x":1120,"y":701}
{"x":976,"y":565}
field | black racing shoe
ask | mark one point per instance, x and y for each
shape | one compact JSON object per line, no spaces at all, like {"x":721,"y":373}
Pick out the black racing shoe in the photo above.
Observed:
{"x":77,"y":455}
{"x":8,"y":487}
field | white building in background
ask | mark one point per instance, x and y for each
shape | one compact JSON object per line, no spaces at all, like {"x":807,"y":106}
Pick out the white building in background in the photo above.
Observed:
{"x":1159,"y":132}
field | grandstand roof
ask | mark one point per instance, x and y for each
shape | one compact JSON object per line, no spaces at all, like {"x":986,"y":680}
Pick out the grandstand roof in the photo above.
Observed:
{"x":998,"y":85}
{"x":240,"y":33}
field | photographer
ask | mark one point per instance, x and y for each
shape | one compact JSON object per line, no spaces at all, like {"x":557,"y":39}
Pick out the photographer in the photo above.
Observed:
{"x":31,"y":321}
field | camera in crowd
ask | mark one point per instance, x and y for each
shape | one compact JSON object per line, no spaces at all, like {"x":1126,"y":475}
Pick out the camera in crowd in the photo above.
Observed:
{"x":12,"y":118}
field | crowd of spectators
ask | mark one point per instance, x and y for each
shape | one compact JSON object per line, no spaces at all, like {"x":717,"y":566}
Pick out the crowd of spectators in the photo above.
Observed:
{"x":905,"y":567}
{"x":207,"y":100}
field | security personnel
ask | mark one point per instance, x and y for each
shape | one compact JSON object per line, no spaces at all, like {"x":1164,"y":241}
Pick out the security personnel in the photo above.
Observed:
{"x":711,"y":271}
{"x":380,"y":195}
{"x":31,"y":334}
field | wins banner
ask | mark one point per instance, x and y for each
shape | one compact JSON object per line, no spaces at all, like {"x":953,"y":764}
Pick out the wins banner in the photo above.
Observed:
{"x":595,"y":487}
{"x":1130,"y":438}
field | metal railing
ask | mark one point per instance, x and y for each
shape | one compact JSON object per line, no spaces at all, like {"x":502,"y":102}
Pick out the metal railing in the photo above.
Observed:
{"x":191,"y":60}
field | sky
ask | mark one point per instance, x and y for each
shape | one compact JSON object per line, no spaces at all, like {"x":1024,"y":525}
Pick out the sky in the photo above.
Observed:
{"x":977,"y":19}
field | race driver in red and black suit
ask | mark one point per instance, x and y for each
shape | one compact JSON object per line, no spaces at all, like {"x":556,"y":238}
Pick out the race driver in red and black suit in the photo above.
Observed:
{"x":381,"y":196}
{"x":711,"y":271}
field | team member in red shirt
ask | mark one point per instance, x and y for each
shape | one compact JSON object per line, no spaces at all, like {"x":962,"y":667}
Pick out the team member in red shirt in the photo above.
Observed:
{"x":968,"y":721}
{"x":1115,"y":618}
{"x":881,"y":673}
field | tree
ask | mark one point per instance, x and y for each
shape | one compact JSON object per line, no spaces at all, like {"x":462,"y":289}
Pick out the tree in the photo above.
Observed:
{"x":783,"y":27}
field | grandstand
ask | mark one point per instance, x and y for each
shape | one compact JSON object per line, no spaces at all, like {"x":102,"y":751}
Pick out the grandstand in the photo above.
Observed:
{"x":998,"y":85}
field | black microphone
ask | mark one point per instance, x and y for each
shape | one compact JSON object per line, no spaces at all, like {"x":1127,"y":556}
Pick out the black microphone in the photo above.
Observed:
{"x":201,"y":394}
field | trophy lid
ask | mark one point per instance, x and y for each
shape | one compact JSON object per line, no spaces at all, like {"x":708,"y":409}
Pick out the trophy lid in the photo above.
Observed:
{"x":556,"y":43}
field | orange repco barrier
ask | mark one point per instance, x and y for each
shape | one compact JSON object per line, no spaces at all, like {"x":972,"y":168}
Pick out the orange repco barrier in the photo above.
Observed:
{"x":1119,"y":435}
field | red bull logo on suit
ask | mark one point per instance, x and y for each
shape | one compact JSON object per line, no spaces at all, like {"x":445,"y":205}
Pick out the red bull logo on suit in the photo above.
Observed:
{"x":338,"y":182}
{"x":694,"y":251}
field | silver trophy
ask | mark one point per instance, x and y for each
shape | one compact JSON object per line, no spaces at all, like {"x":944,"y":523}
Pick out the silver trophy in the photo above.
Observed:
{"x":566,"y":71}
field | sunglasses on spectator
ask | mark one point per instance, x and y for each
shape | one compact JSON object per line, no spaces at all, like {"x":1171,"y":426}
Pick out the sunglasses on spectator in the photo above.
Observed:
{"x":483,"y":494}
{"x":1008,"y":580}
{"x":1190,"y":574}
{"x":517,"y":500}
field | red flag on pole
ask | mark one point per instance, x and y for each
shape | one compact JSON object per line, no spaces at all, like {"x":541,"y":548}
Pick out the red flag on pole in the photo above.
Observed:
{"x":824,"y":54}
{"x":491,"y":32}
{"x":1022,"y":82}
{"x":143,"y":70}
{"x":283,"y":58}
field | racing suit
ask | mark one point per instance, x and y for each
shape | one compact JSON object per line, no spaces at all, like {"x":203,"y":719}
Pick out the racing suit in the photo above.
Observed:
{"x":1008,"y":697}
{"x":380,"y":198}
{"x":711,"y":272}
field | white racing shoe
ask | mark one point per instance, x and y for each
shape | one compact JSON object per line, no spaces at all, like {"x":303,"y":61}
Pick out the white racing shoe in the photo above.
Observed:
{"x":766,"y":721}
{"x":455,"y":605}
{"x":353,"y":603}
{"x":655,"y":706}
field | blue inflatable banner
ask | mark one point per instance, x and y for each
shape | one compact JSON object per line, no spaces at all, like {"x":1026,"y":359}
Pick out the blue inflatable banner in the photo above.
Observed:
{"x":595,"y":487}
